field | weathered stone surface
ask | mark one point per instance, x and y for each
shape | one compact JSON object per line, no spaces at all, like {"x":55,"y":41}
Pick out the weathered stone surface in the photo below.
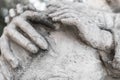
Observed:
{"x":68,"y":58}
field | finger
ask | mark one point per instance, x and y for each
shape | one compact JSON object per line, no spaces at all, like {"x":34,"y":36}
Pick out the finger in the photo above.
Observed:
{"x":12,"y":13}
{"x":7,"y":53}
{"x":64,"y":16}
{"x":51,"y":10}
{"x":21,"y":40}
{"x":57,"y":4}
{"x":41,"y":17}
{"x":67,"y":9}
{"x":69,"y":21}
{"x":35,"y":16}
{"x":61,"y":11}
{"x":7,"y":19}
{"x":29,"y":7}
{"x":57,"y":13}
{"x":31,"y":32}
{"x":19,"y":8}
{"x":60,"y":17}
{"x":5,"y":71}
{"x":54,"y":8}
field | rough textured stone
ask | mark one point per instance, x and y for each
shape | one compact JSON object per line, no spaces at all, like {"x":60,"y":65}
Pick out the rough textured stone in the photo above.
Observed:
{"x":78,"y":52}
{"x":68,"y":58}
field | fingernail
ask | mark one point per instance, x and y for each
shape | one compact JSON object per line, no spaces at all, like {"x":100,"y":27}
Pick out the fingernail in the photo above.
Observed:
{"x":32,"y":48}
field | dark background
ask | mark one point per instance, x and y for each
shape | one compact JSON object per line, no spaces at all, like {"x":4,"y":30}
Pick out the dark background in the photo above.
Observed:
{"x":5,"y":5}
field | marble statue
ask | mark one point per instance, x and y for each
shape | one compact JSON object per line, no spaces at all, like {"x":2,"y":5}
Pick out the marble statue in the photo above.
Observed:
{"x":67,"y":41}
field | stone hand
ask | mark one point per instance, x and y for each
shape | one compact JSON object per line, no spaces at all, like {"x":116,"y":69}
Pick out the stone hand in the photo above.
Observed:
{"x":14,"y":31}
{"x":66,"y":15}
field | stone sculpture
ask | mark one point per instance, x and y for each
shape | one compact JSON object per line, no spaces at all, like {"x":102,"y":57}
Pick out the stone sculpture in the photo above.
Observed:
{"x":74,"y":42}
